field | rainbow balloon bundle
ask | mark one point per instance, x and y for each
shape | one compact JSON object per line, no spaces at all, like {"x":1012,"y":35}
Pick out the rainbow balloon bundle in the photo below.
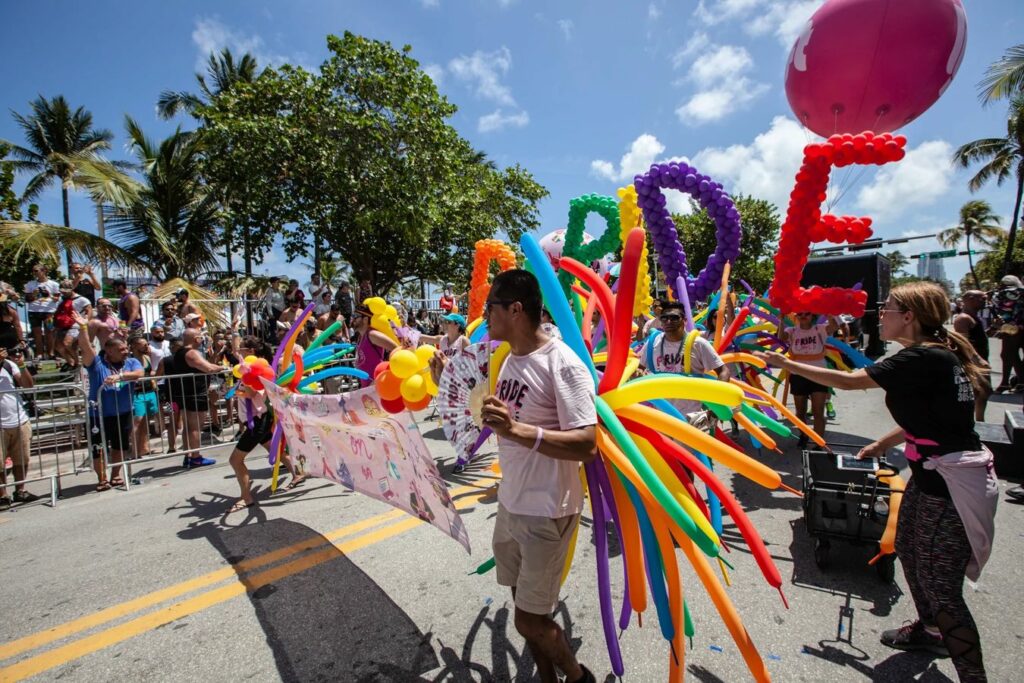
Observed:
{"x":403,"y":381}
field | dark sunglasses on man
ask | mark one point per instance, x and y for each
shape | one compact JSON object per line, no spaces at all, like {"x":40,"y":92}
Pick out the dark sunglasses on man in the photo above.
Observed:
{"x":670,"y":318}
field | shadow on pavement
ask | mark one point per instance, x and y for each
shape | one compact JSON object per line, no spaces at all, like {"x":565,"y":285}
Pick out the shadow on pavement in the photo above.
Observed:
{"x":509,"y":661}
{"x":323,"y":617}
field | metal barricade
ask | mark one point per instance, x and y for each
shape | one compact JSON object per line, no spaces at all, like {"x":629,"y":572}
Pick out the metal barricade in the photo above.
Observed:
{"x":52,"y":441}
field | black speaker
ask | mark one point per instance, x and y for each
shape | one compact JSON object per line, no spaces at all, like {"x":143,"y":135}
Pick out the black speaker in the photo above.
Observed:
{"x":874,"y":275}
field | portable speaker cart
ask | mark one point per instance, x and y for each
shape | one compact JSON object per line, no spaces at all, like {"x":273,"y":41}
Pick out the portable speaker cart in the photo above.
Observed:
{"x":845,"y":505}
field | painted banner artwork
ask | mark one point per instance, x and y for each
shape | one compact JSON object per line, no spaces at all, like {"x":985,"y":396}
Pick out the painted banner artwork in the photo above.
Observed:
{"x":349,"y":439}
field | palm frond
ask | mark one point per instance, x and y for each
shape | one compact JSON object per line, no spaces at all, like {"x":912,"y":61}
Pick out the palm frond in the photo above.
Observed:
{"x":105,"y":182}
{"x":950,"y":237}
{"x":23,"y":158}
{"x":201,"y":296}
{"x":1003,"y":77}
{"x":171,"y":103}
{"x":978,"y":150}
{"x":48,"y":241}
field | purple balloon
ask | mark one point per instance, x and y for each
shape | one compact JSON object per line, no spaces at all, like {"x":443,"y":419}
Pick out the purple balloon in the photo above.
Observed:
{"x":671,"y":255}
{"x":604,"y":591}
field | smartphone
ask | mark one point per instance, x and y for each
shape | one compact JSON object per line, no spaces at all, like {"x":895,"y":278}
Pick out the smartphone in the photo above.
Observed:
{"x":849,"y":461}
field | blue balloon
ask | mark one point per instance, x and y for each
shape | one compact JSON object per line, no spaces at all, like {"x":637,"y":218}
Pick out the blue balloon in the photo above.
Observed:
{"x":333,"y":372}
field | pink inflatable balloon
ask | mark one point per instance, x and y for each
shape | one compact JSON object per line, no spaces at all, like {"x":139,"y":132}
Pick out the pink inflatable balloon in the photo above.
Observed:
{"x":874,"y":64}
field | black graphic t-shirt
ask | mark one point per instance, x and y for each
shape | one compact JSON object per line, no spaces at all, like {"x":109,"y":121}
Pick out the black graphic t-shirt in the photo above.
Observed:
{"x":930,"y":396}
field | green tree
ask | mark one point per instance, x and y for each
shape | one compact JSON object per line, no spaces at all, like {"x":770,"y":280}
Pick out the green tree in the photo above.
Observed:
{"x":223,"y":72}
{"x":1002,"y":158}
{"x":978,"y":222}
{"x":988,"y":267}
{"x":1003,"y":78}
{"x":15,"y":265}
{"x":761,"y":224}
{"x":62,"y":147}
{"x":898,"y":261}
{"x":361,"y":160}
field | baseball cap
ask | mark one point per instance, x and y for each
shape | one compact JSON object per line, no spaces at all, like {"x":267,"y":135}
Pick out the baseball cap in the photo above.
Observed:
{"x":455,"y":318}
{"x":192,"y":316}
{"x":180,"y":291}
{"x":158,"y":325}
{"x":1010,"y":281}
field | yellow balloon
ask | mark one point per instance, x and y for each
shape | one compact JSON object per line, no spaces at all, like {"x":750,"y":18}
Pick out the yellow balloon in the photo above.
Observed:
{"x":414,"y":388}
{"x":404,"y":364}
{"x":237,"y":371}
{"x":392,"y":313}
{"x":425,"y":353}
{"x":431,"y":387}
{"x":376,"y":305}
{"x":668,"y":386}
{"x":249,"y":360}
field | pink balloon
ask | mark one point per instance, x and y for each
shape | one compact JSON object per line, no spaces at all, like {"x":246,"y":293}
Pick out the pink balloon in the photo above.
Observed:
{"x":874,"y":64}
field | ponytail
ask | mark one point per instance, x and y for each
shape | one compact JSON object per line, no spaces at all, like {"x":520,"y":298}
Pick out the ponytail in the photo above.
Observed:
{"x":964,"y":351}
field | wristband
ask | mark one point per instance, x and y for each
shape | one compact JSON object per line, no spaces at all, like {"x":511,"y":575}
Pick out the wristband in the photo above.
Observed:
{"x":537,"y":441}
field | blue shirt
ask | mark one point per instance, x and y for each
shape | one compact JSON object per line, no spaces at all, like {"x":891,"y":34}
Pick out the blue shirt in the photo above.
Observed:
{"x":116,"y":401}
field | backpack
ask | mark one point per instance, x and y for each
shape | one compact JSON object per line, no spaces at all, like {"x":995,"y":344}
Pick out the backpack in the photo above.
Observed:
{"x":64,"y":319}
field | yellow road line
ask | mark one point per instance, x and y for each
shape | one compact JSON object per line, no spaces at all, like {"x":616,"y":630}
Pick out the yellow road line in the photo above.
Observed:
{"x":116,"y":634}
{"x":35,"y":640}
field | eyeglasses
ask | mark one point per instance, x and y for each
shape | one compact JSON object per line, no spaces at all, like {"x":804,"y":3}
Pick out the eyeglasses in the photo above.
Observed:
{"x":882,"y":311}
{"x":497,"y":302}
{"x":671,"y":318}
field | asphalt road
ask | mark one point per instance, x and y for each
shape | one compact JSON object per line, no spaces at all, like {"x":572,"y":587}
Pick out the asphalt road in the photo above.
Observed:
{"x":158,"y":584}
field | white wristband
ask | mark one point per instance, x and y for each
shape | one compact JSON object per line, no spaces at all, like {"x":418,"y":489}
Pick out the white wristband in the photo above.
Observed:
{"x":537,"y":441}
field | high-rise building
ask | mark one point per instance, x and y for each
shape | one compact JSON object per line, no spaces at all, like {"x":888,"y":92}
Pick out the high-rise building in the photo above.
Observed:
{"x":931,"y":268}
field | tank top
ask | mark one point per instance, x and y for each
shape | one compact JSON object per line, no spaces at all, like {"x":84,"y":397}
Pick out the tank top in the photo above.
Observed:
{"x":85,"y":288}
{"x":122,"y":312}
{"x":190,"y":386}
{"x":368,"y":355}
{"x":976,"y":335}
{"x":8,"y":334}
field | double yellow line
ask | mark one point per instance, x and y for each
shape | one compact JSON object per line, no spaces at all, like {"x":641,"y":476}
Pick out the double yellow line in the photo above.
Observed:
{"x":244,"y":582}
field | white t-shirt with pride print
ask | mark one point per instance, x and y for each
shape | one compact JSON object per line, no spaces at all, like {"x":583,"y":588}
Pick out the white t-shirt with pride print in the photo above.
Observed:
{"x":668,"y":357}
{"x":551,"y":389}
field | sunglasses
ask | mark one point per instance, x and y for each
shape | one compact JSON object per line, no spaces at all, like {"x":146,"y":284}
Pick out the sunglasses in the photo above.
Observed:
{"x":497,"y":302}
{"x":671,"y":318}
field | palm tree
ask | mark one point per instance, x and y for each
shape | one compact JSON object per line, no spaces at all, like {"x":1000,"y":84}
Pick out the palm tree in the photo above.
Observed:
{"x":223,"y":72}
{"x":976,"y":221}
{"x":172,"y":222}
{"x":1004,"y":78}
{"x":64,"y":147}
{"x":1003,"y":158}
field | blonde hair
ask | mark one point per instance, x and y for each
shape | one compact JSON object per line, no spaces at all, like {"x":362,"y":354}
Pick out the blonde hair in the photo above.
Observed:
{"x":930,"y":306}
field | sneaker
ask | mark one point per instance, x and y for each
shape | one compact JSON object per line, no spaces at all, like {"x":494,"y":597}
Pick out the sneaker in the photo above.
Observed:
{"x":913,"y":636}
{"x":24,"y":497}
{"x":1017,"y":493}
{"x":199,"y":462}
{"x":5,"y":503}
{"x":830,"y":411}
{"x":216,"y":429}
{"x":184,"y":462}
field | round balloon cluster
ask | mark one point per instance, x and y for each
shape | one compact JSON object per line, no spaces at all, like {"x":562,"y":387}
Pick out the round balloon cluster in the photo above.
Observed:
{"x":841,"y":229}
{"x":487,"y":251}
{"x":863,"y":148}
{"x":252,"y":369}
{"x":384,"y":317}
{"x":713,"y":199}
{"x":403,"y":381}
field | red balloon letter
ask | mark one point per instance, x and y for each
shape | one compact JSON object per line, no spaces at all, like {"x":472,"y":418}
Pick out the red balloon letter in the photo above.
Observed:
{"x":806,"y":224}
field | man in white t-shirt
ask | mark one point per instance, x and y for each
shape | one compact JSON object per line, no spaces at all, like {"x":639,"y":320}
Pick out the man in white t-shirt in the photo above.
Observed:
{"x":15,"y":427}
{"x":42,"y":295}
{"x":544,"y":416}
{"x":664,"y":353}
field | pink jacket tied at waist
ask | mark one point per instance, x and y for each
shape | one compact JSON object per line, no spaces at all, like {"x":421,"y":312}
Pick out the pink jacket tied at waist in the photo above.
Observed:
{"x":971,"y":479}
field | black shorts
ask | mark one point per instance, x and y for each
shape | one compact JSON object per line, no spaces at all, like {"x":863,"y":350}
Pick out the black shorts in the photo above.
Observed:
{"x":195,"y":404}
{"x":38,"y":319}
{"x":801,"y":386}
{"x":261,"y":432}
{"x":117,"y":429}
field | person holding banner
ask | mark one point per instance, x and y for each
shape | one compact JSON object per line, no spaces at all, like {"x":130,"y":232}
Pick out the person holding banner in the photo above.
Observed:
{"x":544,"y":416}
{"x":258,"y":433}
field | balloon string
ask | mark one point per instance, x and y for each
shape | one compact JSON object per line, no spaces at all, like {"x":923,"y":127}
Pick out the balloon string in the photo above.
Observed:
{"x":791,"y":490}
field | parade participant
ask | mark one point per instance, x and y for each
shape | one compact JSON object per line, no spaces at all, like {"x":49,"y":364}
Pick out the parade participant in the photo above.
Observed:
{"x":1008,"y":327}
{"x":261,"y":431}
{"x":111,"y":374}
{"x":194,"y":393}
{"x":105,"y":324}
{"x":129,"y":308}
{"x":968,"y":323}
{"x":16,"y":428}
{"x":85,"y":282}
{"x":664,"y":353}
{"x":65,"y":329}
{"x":454,"y":338}
{"x":373,"y":346}
{"x":545,"y":419}
{"x":42,"y":295}
{"x":946,"y":519}
{"x":334,"y":315}
{"x":806,"y":343}
{"x":654,"y":323}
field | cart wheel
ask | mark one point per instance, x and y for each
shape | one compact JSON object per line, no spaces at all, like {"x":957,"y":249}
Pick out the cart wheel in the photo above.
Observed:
{"x":886,"y":568}
{"x":821,"y":548}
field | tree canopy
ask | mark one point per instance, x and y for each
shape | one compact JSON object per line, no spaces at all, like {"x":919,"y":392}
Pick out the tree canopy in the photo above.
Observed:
{"x":361,"y":159}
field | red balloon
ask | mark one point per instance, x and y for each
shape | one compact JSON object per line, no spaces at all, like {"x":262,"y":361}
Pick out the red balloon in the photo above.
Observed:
{"x":394,"y":405}
{"x":381,"y":367}
{"x":874,"y":64}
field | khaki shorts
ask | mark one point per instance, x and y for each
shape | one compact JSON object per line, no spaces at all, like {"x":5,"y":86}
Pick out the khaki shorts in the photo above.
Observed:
{"x":15,"y":444}
{"x":529,"y":555}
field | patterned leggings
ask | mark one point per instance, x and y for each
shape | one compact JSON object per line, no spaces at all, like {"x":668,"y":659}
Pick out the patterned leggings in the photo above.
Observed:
{"x":933,"y":549}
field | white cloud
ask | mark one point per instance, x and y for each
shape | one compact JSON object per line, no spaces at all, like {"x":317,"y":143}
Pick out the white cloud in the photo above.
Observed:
{"x":436,"y":73}
{"x":499,"y":120}
{"x":717,"y":11}
{"x":919,"y":179}
{"x":212,"y":36}
{"x":653,"y":12}
{"x":566,"y":27}
{"x":430,"y":4}
{"x":766,"y":168}
{"x":719,"y":74}
{"x":642,"y":153}
{"x":483,"y":72}
{"x":696,"y":44}
{"x":785,"y":20}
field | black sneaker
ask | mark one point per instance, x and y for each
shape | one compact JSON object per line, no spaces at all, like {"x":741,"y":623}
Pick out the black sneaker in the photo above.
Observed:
{"x":24,"y":497}
{"x":216,"y":429}
{"x":913,"y":636}
{"x":5,"y":503}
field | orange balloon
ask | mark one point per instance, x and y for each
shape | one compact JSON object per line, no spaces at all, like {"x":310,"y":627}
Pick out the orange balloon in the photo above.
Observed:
{"x":388,"y":386}
{"x":419,"y":405}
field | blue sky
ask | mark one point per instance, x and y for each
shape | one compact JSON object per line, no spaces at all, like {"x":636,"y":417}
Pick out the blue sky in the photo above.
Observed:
{"x":583,"y":94}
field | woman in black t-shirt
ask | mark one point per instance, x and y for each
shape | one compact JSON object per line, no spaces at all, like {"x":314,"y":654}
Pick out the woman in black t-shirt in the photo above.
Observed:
{"x":929,"y":390}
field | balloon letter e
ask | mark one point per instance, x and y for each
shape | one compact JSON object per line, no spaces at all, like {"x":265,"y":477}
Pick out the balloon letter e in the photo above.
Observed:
{"x":805,"y":222}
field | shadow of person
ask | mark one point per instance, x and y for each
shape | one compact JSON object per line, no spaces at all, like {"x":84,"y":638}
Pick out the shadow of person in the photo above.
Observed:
{"x":909,"y":666}
{"x":702,"y":674}
{"x":323,"y":617}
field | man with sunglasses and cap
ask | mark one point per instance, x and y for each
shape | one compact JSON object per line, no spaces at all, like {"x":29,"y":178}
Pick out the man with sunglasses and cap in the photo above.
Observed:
{"x":665,"y":352}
